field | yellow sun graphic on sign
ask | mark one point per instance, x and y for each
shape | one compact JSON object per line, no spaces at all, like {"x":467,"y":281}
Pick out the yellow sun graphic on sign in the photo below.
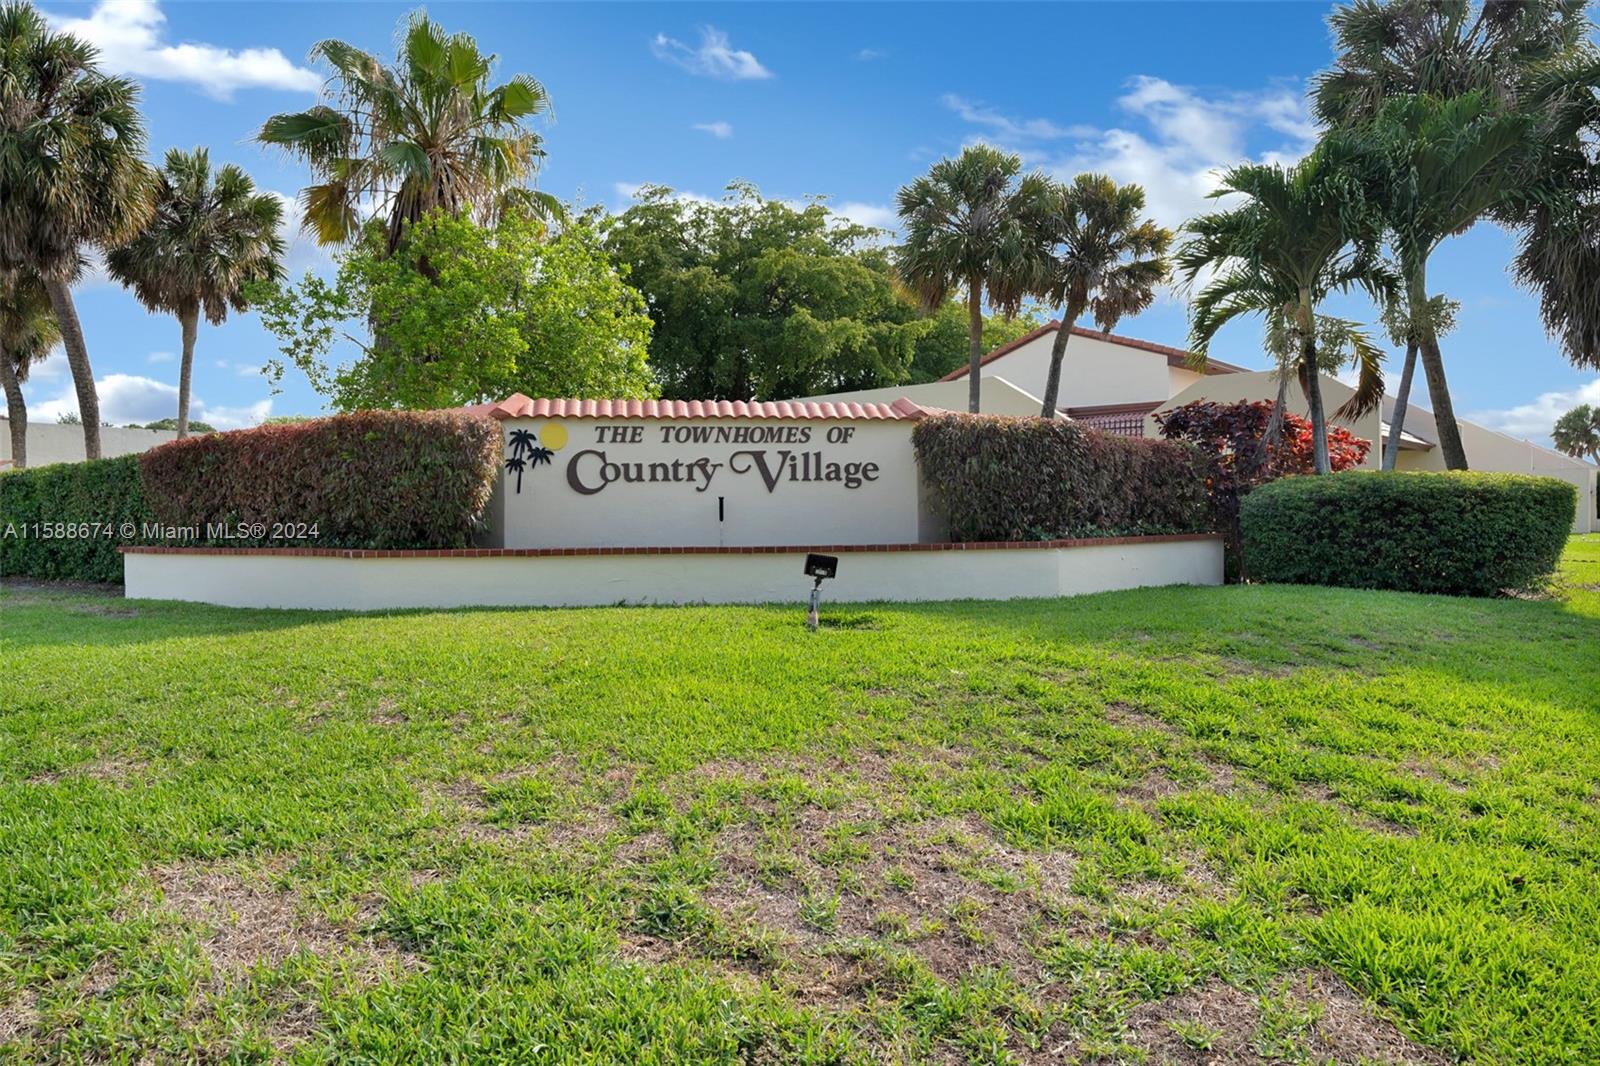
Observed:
{"x":553,"y":435}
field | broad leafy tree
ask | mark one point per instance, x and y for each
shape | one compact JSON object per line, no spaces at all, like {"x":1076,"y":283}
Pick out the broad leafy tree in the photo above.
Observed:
{"x":1102,"y":256}
{"x":943,"y":346}
{"x":1578,"y":433}
{"x":211,"y":236}
{"x":760,"y":299}
{"x":471,"y":314}
{"x":72,"y":173}
{"x":1300,"y":234}
{"x":27,"y":333}
{"x":428,"y":132}
{"x":971,"y":224}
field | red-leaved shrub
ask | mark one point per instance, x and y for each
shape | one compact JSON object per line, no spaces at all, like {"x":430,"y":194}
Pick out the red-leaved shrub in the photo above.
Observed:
{"x":992,"y":477}
{"x":1231,"y":436}
{"x":372,"y":479}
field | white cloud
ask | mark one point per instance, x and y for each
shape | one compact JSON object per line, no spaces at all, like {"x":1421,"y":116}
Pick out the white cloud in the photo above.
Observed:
{"x":628,"y":191}
{"x":160,"y":357}
{"x":720,"y":130}
{"x":129,"y":35}
{"x":133,"y":398}
{"x":714,"y":58}
{"x":1175,"y":147}
{"x":1007,"y":129}
{"x":867,"y":55}
{"x":880,"y":216}
{"x":237,"y":417}
{"x":1534,"y":421}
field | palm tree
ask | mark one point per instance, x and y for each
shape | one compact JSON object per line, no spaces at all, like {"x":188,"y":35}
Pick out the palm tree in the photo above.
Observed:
{"x":1101,"y":256}
{"x":27,"y":333}
{"x":1530,"y":58}
{"x":428,"y":133}
{"x":1578,"y":433}
{"x":1436,"y":166}
{"x":971,"y":223}
{"x":72,"y":172}
{"x":516,"y":465}
{"x":210,"y":237}
{"x":1410,"y":48}
{"x":1302,"y":233}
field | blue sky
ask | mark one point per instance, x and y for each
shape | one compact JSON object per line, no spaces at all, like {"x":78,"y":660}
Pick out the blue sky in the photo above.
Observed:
{"x":848,"y":101}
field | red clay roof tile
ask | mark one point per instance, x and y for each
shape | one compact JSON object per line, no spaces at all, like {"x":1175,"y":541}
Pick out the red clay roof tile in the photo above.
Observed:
{"x":520,"y":406}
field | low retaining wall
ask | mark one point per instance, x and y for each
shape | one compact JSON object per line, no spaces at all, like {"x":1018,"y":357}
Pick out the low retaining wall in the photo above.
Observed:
{"x":332,"y":579}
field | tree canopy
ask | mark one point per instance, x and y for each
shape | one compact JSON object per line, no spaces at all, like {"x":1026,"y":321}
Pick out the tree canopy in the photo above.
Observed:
{"x":466,"y":313}
{"x":761,"y":299}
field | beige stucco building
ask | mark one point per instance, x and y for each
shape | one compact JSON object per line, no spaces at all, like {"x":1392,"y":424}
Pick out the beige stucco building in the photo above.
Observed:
{"x":1119,"y":384}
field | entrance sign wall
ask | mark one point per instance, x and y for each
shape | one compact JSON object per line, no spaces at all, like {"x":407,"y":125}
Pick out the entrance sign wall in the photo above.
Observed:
{"x":583,"y":474}
{"x":659,"y":502}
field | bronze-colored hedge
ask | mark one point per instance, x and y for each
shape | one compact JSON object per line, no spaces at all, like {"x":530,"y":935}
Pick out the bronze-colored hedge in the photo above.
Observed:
{"x":372,"y":479}
{"x":992,"y":477}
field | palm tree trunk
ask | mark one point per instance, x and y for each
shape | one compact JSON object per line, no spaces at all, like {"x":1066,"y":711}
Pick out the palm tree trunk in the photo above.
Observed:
{"x":1319,"y":420}
{"x":1444,"y":412}
{"x":16,"y":411}
{"x":1391,"y":448}
{"x":1058,"y":353}
{"x":190,"y":319}
{"x":974,"y":343}
{"x":78,"y":359}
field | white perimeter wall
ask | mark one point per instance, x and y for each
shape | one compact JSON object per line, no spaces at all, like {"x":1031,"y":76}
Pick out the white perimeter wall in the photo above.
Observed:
{"x":739,"y":508}
{"x":52,"y":442}
{"x":335,"y":583}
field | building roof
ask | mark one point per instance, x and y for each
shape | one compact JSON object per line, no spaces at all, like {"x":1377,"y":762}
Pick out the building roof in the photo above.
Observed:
{"x":1177,"y":357}
{"x":520,"y":406}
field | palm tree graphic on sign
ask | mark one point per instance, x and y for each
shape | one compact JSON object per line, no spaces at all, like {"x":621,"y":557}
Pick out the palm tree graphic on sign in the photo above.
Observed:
{"x":527,"y":452}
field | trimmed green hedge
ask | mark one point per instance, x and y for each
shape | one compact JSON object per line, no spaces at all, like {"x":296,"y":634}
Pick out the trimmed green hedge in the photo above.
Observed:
{"x":371,"y":479}
{"x":49,"y":517}
{"x":1464,"y":533}
{"x":992,"y":477}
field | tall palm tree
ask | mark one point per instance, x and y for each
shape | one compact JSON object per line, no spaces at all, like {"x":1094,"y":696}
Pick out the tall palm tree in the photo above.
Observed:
{"x":72,"y":172}
{"x":1577,"y":433}
{"x":1397,"y":48}
{"x":211,"y":235}
{"x":427,"y":133}
{"x":27,"y":333}
{"x":971,"y":223}
{"x":1302,"y":233}
{"x":1102,"y":256}
{"x":1435,"y":167}
{"x":1531,"y":58}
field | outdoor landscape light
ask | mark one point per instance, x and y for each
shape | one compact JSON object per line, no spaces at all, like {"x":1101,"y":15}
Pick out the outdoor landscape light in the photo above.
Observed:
{"x":819,"y":567}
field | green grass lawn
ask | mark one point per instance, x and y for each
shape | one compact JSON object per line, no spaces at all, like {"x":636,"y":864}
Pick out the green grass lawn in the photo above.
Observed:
{"x":1236,"y":824}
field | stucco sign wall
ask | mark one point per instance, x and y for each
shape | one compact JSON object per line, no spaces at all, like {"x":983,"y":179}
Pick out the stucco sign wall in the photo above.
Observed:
{"x":657,"y":473}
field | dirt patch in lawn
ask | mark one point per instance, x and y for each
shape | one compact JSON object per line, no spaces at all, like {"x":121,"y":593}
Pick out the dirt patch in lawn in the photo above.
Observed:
{"x":241,"y":921}
{"x":113,"y":769}
{"x":18,"y":1017}
{"x":1306,"y":1017}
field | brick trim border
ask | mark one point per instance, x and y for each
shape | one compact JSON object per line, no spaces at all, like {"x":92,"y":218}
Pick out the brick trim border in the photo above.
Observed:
{"x":761,"y":549}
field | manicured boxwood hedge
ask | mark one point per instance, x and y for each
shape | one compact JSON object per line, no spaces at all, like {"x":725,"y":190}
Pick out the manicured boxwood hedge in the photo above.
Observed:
{"x":1465,"y":533}
{"x":997,"y":478}
{"x":65,"y":521}
{"x":372,"y":479}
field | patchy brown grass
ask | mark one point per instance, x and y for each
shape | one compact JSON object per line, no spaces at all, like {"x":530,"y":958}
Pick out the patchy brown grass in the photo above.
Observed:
{"x":1312,"y":1017}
